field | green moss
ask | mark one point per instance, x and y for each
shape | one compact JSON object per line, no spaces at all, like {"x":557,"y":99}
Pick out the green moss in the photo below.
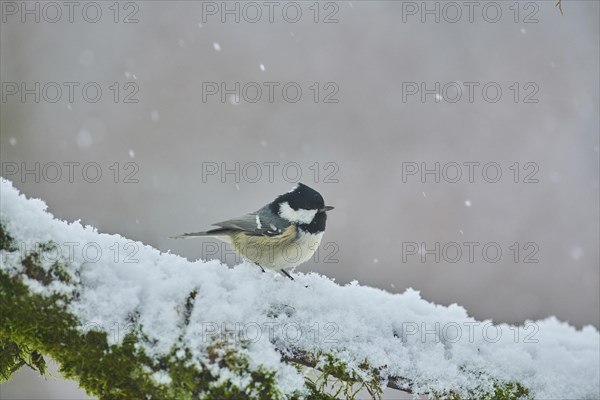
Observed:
{"x":6,"y":242}
{"x":509,"y":391}
{"x":262,"y":381}
{"x":13,"y":356}
{"x":32,"y":263}
{"x":502,"y":391}
{"x":33,"y":270}
{"x":278,"y":309}
{"x":338,"y":379}
{"x":189,"y":307}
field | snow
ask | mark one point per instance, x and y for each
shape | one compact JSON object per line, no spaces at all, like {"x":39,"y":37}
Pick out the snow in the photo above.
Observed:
{"x":403,"y":334}
{"x":216,"y":46}
{"x":162,"y":377}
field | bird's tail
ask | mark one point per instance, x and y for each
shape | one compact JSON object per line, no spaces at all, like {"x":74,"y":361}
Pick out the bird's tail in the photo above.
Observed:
{"x":188,"y":235}
{"x":212,"y":232}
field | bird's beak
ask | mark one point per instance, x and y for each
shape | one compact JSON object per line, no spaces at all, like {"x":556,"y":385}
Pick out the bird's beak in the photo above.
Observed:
{"x":327,"y":208}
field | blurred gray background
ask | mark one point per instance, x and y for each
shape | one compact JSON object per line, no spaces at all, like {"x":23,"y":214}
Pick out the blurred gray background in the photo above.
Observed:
{"x":362,"y":144}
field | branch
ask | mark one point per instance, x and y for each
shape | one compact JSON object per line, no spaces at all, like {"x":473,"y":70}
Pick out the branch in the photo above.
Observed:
{"x":559,"y":5}
{"x":393,"y":382}
{"x":128,"y":321}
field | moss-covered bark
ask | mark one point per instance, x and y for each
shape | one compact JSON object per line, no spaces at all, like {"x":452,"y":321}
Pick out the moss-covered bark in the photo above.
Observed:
{"x":33,"y":326}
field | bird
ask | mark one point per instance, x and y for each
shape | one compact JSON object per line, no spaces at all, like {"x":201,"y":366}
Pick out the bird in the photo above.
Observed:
{"x":283,"y":234}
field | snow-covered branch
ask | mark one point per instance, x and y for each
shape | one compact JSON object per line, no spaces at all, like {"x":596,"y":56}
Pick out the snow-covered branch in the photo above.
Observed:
{"x":126,"y":320}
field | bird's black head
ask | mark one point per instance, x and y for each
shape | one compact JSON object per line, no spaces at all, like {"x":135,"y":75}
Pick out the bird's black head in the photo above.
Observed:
{"x":302,"y":206}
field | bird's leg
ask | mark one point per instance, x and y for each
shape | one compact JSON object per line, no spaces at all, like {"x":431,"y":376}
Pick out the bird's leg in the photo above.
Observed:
{"x":283,"y":271}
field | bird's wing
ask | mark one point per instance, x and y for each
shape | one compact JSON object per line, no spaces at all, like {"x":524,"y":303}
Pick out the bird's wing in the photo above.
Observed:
{"x":249,"y":223}
{"x":260,"y":223}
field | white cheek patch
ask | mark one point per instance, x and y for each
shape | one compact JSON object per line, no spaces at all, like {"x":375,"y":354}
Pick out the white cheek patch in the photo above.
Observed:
{"x":298,"y":216}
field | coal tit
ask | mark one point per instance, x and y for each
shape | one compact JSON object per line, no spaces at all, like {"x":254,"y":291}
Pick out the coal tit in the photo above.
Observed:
{"x":283,"y":234}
